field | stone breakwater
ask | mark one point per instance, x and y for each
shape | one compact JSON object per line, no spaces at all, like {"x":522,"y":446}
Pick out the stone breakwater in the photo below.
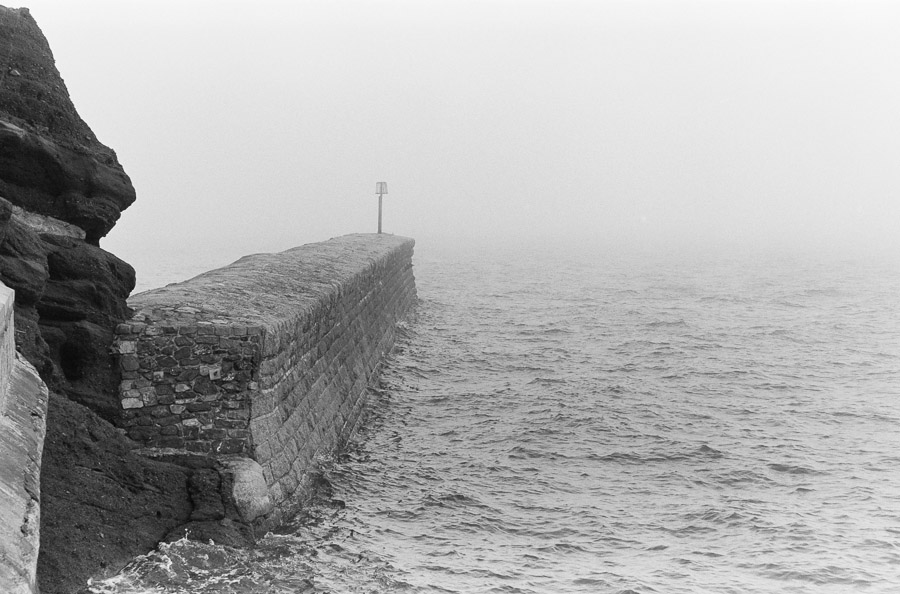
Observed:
{"x":264,"y":364}
{"x":23,"y":412}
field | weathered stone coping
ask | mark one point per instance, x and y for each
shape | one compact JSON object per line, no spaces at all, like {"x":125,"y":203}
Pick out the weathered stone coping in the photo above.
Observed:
{"x":262,"y":290}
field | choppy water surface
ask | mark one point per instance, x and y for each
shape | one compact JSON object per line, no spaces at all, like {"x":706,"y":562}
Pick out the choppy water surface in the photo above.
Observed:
{"x":593,"y":423}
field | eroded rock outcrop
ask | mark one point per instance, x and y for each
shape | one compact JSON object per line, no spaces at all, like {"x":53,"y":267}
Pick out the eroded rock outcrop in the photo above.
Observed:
{"x":51,"y":162}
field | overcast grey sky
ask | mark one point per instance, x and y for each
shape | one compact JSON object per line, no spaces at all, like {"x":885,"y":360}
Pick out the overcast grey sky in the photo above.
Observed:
{"x":257,"y":126}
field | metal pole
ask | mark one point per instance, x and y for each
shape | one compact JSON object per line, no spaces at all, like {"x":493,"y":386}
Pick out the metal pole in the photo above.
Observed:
{"x":379,"y":213}
{"x":381,"y":190}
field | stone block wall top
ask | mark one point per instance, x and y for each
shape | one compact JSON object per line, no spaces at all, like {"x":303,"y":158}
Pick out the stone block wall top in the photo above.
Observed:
{"x":261,"y":291}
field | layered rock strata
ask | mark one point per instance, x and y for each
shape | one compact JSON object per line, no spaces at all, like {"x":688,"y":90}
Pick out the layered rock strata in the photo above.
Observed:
{"x":267,"y":360}
{"x":61,"y":190}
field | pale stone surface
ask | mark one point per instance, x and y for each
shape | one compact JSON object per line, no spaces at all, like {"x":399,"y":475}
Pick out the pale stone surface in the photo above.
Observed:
{"x":44,"y":224}
{"x":249,"y":490}
{"x":7,"y":342}
{"x":22,"y":429}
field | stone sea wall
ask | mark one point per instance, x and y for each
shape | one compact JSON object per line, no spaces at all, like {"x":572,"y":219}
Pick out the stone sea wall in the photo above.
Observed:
{"x":23,"y":412}
{"x":265,"y":363}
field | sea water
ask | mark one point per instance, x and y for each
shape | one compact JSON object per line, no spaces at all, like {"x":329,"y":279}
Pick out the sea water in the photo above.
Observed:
{"x":607,"y":421}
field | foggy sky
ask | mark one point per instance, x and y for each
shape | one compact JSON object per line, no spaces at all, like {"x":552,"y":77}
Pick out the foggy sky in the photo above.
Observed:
{"x":259,"y":126}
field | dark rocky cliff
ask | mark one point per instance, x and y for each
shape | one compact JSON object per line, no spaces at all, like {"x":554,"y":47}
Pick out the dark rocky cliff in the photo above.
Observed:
{"x":51,"y":161}
{"x":61,"y":190}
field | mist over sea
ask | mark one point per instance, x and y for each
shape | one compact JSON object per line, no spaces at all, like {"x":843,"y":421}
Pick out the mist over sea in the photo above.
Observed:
{"x":631,"y":421}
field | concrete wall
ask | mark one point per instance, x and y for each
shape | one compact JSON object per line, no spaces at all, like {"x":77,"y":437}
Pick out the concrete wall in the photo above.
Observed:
{"x":268,"y":359}
{"x":23,"y":414}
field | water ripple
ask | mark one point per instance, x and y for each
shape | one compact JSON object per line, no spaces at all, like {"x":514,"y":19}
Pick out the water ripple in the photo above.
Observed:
{"x":604,"y":424}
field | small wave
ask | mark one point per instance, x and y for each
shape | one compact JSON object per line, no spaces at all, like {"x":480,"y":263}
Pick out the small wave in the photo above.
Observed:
{"x":781,"y":386}
{"x":708,"y":452}
{"x":830,"y":575}
{"x":528,"y":368}
{"x":820,"y":293}
{"x":624,"y":457}
{"x":544,"y":331}
{"x":703,"y":451}
{"x":792,"y":469}
{"x":715,"y":516}
{"x":547,"y":381}
{"x":589,"y":582}
{"x":617,"y":389}
{"x":627,"y":368}
{"x":689,"y":530}
{"x":740,"y":477}
{"x":459,"y":498}
{"x":521,"y":453}
{"x":632,"y":458}
{"x":666,"y":324}
{"x":563,"y":547}
{"x":791,"y":304}
{"x":707,"y":554}
{"x":421,"y":373}
{"x":725,"y":298}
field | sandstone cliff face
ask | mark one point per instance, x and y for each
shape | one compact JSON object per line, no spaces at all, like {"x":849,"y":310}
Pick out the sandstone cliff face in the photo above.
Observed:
{"x":61,"y":190}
